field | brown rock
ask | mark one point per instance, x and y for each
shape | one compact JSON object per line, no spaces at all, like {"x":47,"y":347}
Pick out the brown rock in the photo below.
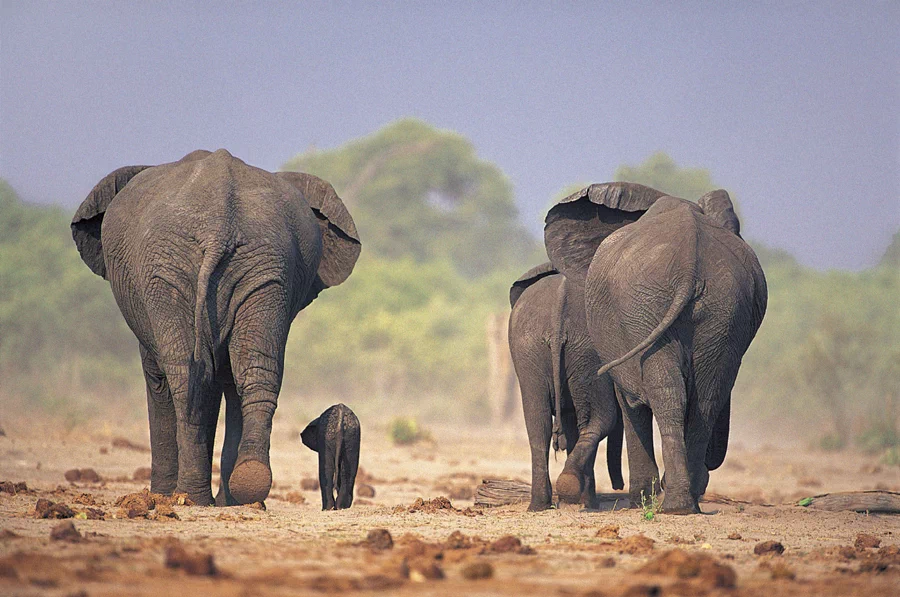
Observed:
{"x":13,"y":487}
{"x":46,"y":509}
{"x":610,"y":531}
{"x":477,"y":571}
{"x":365,"y":491}
{"x":864,"y":541}
{"x":379,"y":539}
{"x":92,"y":514}
{"x":141,"y":474}
{"x":509,"y":544}
{"x":65,"y":531}
{"x":734,"y":536}
{"x":164,"y":511}
{"x":607,"y":562}
{"x":636,"y":544}
{"x":309,"y":484}
{"x":72,"y":475}
{"x":85,"y":499}
{"x":769,"y":547}
{"x":458,"y":540}
{"x":257,"y":506}
{"x":641,"y":590}
{"x":193,"y":563}
{"x":89,"y":475}
{"x":295,"y":497}
{"x":703,"y":569}
{"x":422,"y":569}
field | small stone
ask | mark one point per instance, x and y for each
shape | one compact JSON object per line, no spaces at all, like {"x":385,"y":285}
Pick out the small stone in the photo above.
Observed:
{"x":379,"y":539}
{"x":295,"y":497}
{"x":766,"y":547}
{"x":734,"y":536}
{"x":610,"y":531}
{"x":365,"y":491}
{"x":257,"y":506}
{"x":421,"y":570}
{"x":141,"y":474}
{"x":46,"y":509}
{"x":865,"y":541}
{"x":196,"y":564}
{"x":65,"y":531}
{"x":72,"y":475}
{"x":89,"y":475}
{"x":478,"y":570}
{"x":309,"y":484}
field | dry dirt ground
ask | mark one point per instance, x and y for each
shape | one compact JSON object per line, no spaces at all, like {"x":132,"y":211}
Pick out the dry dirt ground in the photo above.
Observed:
{"x":293,"y":548}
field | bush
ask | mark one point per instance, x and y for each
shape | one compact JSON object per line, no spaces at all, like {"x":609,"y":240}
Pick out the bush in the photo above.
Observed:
{"x":405,"y":431}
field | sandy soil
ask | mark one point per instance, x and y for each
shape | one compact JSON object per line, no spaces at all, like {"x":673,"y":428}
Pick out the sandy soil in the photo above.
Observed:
{"x":293,"y":548}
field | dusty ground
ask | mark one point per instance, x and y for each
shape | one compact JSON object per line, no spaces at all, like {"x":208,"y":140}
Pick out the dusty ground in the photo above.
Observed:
{"x":294,"y":548}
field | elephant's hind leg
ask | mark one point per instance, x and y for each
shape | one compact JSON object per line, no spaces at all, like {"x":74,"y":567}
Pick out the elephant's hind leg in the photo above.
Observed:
{"x":163,"y":440}
{"x":234,"y":424}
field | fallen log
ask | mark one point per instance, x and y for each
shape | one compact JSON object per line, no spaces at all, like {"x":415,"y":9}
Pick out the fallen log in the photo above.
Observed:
{"x":501,"y":492}
{"x":875,"y":501}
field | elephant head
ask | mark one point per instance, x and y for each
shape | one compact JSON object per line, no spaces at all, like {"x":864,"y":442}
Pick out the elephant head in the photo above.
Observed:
{"x":717,"y":205}
{"x":575,"y":227}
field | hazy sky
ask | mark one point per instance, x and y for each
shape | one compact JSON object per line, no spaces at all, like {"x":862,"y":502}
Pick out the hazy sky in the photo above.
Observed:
{"x":793,"y":106}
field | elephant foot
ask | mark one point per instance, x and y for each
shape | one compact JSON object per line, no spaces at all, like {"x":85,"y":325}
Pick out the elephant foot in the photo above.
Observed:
{"x":568,"y":488}
{"x":538,"y":506}
{"x":679,"y":506}
{"x":250,"y":482}
{"x":201,"y":498}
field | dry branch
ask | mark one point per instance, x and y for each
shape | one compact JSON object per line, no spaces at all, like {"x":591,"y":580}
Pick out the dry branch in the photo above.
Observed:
{"x":884,"y":502}
{"x":500,"y":492}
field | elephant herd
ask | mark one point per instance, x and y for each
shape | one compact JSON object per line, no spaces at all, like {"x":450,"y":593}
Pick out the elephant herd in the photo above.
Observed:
{"x":644,"y":311}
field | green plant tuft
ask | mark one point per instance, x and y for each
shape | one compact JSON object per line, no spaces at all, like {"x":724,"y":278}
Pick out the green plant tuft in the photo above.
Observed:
{"x":650,"y":506}
{"x":405,"y":431}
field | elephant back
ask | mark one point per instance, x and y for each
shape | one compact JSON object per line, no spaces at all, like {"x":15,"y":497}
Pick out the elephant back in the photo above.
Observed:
{"x":575,"y":227}
{"x":528,"y":278}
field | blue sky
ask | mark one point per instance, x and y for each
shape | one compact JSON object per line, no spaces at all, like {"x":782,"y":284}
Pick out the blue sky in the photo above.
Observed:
{"x":793,"y":106}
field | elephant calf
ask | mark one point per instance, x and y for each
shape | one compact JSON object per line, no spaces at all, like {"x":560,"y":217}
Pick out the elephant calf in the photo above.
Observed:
{"x":335,"y":436}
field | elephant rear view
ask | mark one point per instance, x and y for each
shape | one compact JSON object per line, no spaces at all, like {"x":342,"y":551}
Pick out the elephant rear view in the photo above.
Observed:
{"x":210,"y":260}
{"x":673,"y":301}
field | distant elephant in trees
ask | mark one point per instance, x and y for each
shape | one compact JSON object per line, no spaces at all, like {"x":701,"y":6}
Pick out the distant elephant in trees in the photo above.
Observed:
{"x":555,"y":363}
{"x":680,"y":289}
{"x":210,"y":260}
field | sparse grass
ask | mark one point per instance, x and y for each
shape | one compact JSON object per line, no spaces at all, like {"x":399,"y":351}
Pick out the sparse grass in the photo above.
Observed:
{"x":650,"y":505}
{"x":405,"y":431}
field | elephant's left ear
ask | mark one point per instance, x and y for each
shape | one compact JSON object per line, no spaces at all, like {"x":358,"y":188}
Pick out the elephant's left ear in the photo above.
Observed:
{"x":717,"y":205}
{"x":88,"y":219}
{"x":309,"y":436}
{"x":340,"y":240}
{"x":575,"y":227}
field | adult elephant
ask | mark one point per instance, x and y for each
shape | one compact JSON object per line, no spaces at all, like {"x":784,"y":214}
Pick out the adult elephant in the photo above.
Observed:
{"x":210,"y":260}
{"x":680,"y":289}
{"x":555,"y":364}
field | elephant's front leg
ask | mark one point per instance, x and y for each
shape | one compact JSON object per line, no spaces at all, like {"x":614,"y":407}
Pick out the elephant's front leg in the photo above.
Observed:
{"x":163,"y":437}
{"x":234,"y":424}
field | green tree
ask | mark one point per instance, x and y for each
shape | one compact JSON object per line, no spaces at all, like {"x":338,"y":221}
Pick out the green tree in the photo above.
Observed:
{"x":891,"y":257}
{"x":420,"y":192}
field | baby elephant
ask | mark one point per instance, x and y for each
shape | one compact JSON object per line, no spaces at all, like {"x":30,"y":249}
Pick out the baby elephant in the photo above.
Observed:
{"x":335,"y":436}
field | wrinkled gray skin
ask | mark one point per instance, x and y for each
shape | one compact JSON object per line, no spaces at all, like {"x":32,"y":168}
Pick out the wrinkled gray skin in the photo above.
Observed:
{"x":210,"y":260}
{"x":335,"y":436}
{"x":561,"y":396}
{"x":673,"y":302}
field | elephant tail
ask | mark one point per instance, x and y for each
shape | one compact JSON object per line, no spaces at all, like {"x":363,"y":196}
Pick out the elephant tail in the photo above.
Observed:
{"x":683,"y":295}
{"x":557,"y":343}
{"x":202,"y":364}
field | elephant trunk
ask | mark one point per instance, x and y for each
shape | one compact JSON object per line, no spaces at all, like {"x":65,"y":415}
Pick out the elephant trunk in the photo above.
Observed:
{"x":557,"y":342}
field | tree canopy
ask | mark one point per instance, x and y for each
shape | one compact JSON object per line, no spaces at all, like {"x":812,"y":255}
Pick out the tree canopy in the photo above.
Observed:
{"x":421,"y":192}
{"x":662,"y":173}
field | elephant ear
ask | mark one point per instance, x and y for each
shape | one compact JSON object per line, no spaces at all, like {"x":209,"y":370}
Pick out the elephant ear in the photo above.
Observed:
{"x":309,"y":436}
{"x":528,"y":278}
{"x":340,"y":240}
{"x":88,"y":219}
{"x":575,"y":227}
{"x":717,"y":205}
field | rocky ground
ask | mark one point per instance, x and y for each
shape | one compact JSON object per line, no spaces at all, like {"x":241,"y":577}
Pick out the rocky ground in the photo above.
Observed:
{"x":75,"y":519}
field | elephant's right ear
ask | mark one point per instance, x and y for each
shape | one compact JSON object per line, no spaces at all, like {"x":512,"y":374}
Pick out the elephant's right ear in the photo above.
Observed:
{"x":575,"y":227}
{"x":340,"y":240}
{"x":88,"y":219}
{"x":309,"y":436}
{"x":528,"y":278}
{"x":717,"y":205}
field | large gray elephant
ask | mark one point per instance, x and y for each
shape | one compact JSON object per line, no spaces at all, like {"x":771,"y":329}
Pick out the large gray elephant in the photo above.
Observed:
{"x":555,"y":364}
{"x":680,"y":289}
{"x":210,"y":260}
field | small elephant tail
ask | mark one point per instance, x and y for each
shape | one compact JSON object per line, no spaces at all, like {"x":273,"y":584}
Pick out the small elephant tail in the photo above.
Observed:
{"x":683,"y":295}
